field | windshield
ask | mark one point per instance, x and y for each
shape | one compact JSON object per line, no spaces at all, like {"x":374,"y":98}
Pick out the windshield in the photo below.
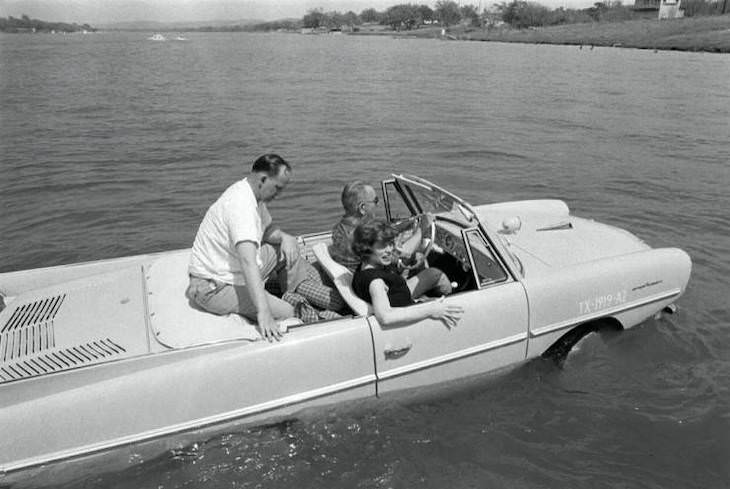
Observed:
{"x":430,"y":198}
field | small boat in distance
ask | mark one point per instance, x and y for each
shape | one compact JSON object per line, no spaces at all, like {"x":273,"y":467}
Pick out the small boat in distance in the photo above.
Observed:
{"x":157,"y":37}
{"x":181,"y":38}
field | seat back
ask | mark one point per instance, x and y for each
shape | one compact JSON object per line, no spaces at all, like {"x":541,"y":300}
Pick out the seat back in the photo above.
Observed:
{"x":342,"y":278}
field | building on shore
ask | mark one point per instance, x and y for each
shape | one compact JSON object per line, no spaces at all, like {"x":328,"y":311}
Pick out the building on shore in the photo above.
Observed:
{"x":670,"y":9}
{"x":664,"y":9}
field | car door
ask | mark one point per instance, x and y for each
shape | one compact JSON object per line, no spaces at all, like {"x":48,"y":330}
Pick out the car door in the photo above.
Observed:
{"x":492,"y":332}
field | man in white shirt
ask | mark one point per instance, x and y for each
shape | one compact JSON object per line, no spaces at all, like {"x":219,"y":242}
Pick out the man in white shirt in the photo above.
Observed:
{"x":237,"y":249}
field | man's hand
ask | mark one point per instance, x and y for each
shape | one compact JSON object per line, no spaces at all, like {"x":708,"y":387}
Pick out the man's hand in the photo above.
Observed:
{"x":286,"y":242}
{"x":268,"y":328}
{"x":289,"y":248}
{"x":425,"y":220}
{"x":255,"y":288}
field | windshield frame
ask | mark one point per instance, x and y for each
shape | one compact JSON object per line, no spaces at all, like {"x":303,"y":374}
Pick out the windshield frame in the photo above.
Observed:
{"x":461,"y":214}
{"x":459,"y":207}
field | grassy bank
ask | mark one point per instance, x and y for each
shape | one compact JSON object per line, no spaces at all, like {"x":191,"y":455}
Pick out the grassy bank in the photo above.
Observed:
{"x":711,"y":34}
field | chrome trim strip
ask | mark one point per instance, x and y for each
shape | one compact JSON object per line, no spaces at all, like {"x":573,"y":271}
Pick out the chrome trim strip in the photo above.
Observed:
{"x":450,"y":357}
{"x":146,"y":304}
{"x":189,"y":425}
{"x":605,"y":312}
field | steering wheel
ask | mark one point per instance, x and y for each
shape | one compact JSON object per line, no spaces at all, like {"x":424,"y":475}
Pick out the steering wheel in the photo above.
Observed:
{"x":428,"y":242}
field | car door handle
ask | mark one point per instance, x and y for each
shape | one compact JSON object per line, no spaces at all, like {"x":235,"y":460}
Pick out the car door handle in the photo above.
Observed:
{"x":392,"y":353}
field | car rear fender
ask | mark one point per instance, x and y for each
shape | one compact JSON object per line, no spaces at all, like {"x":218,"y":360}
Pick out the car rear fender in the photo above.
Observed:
{"x":628,"y":288}
{"x":559,"y":350}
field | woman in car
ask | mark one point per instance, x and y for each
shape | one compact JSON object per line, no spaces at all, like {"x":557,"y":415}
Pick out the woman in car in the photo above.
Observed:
{"x":378,"y":282}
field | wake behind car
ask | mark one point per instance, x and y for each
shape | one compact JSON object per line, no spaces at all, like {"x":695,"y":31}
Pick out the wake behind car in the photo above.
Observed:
{"x":104,"y":354}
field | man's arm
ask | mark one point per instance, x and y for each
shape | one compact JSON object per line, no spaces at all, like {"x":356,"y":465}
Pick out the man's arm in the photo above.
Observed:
{"x":287,"y":243}
{"x":255,"y":286}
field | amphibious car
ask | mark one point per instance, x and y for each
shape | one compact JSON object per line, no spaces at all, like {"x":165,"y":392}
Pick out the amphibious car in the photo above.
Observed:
{"x":110,"y":353}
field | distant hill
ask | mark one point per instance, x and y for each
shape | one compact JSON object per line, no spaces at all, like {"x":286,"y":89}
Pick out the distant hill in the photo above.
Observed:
{"x":146,"y":25}
{"x":25,"y":24}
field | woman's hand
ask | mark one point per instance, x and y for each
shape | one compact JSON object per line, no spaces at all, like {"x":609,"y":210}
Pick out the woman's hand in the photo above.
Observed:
{"x":450,"y":314}
{"x":414,"y":262}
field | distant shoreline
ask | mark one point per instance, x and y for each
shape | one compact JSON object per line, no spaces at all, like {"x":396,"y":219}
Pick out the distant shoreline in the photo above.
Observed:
{"x":709,"y":34}
{"x":700,"y":34}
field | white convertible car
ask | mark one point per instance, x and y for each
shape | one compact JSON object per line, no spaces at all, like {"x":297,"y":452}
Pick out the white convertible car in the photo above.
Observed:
{"x":110,"y":353}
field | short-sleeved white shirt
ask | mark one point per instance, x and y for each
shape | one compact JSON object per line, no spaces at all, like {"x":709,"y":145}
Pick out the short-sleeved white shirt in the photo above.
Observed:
{"x":233,"y":218}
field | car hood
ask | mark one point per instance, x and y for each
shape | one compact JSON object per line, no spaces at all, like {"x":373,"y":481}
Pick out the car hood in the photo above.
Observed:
{"x":546,"y":232}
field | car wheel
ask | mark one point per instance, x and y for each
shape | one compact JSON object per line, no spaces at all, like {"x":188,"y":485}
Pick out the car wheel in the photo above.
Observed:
{"x":559,"y":350}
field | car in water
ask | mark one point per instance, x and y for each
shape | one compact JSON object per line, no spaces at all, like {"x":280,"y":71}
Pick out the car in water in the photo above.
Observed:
{"x":106,"y":354}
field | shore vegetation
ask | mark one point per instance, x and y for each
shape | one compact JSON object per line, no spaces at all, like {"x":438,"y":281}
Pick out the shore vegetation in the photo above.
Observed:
{"x":701,"y":33}
{"x":26,"y":24}
{"x":703,"y":26}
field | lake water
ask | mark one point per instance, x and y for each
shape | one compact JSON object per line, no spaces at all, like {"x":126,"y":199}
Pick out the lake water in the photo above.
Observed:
{"x":112,"y":145}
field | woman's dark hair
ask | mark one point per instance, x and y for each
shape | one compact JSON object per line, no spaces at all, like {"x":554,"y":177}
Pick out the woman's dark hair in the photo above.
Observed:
{"x":367,"y":234}
{"x":270,"y":164}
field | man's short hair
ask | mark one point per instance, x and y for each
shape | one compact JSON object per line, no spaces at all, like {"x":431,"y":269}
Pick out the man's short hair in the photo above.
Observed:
{"x":270,"y":164}
{"x":368,"y":234}
{"x":352,"y":195}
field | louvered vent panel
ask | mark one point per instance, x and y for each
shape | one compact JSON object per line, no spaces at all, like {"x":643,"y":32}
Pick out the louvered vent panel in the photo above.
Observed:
{"x":28,"y":343}
{"x":61,"y":359}
{"x":29,"y":330}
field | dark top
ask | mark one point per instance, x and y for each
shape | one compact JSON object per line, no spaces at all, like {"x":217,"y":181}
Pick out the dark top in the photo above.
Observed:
{"x":341,"y":247}
{"x":399,"y":294}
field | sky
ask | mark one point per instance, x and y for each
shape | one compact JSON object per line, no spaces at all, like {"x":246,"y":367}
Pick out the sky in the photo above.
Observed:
{"x":110,"y":11}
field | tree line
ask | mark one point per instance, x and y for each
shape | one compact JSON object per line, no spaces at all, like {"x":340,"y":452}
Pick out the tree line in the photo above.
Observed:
{"x":524,"y":14}
{"x":26,"y":24}
{"x":402,"y":16}
{"x":516,"y":13}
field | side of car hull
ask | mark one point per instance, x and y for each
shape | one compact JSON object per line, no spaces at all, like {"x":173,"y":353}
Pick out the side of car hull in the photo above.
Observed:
{"x":629,"y":288}
{"x":95,"y":408}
